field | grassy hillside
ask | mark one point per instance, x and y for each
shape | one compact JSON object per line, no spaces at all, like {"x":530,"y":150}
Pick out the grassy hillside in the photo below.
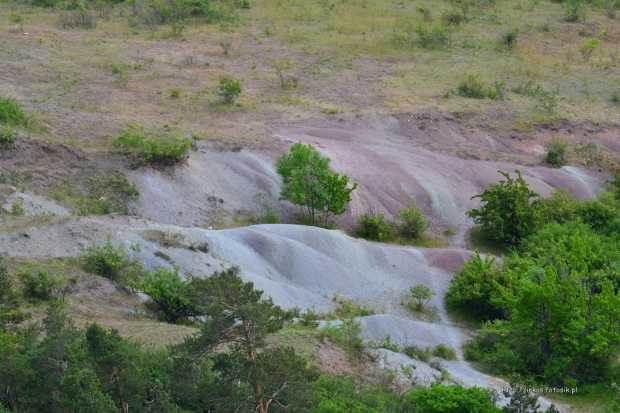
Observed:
{"x":345,"y":56}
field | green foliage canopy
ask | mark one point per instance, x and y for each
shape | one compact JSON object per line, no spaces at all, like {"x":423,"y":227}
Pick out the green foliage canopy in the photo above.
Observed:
{"x":309,"y":183}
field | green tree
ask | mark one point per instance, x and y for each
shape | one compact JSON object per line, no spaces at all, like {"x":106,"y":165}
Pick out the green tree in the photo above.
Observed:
{"x":251,"y":375}
{"x":338,"y":195}
{"x":563,"y":309}
{"x":508,"y":215}
{"x":421,"y":294}
{"x":309,"y":183}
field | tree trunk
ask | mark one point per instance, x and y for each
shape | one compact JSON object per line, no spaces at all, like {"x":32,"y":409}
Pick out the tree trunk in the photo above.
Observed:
{"x":116,"y":371}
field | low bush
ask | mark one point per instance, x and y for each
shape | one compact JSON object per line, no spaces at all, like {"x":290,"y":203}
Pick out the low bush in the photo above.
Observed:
{"x":346,"y":336}
{"x":444,"y":352}
{"x":169,"y":294}
{"x":510,"y":37}
{"x":419,"y":353}
{"x":453,"y":17}
{"x":430,"y":38}
{"x":374,"y":226}
{"x":12,"y":113}
{"x":351,"y":309}
{"x":410,"y":221}
{"x":557,"y":153}
{"x":473,"y":88}
{"x":455,"y":399}
{"x":7,"y":137}
{"x":154,"y":149}
{"x":228,"y":89}
{"x":43,"y":285}
{"x":111,"y":262}
{"x":77,"y":19}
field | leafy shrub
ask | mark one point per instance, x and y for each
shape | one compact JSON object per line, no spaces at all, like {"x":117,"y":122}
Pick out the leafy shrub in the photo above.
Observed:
{"x":7,"y":137}
{"x":444,"y":352}
{"x":556,"y":152}
{"x":560,"y":206}
{"x":430,"y":38}
{"x":373,"y":226}
{"x":12,"y":114}
{"x":510,"y":37}
{"x":419,"y":353}
{"x":228,"y":89}
{"x":175,"y":93}
{"x":169,"y":294}
{"x":410,"y":221}
{"x":547,"y":101}
{"x":339,"y":394}
{"x":281,"y":67}
{"x":574,"y":10}
{"x":452,"y":17}
{"x":421,"y":294}
{"x":475,"y":288}
{"x":472,"y":88}
{"x":453,"y":399}
{"x":43,"y":285}
{"x":529,"y":88}
{"x":110,"y":262}
{"x":10,"y":300}
{"x":508,"y":214}
{"x":156,"y":149}
{"x":17,"y":209}
{"x":346,"y":336}
{"x":587,"y":47}
{"x":425,"y":12}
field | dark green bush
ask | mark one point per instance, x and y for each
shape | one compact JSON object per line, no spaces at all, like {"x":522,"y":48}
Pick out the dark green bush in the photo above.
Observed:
{"x":556,"y":153}
{"x":510,"y":37}
{"x":156,"y":149}
{"x":169,"y":294}
{"x":373,"y":226}
{"x":454,"y":399}
{"x":475,"y":289}
{"x":473,"y":88}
